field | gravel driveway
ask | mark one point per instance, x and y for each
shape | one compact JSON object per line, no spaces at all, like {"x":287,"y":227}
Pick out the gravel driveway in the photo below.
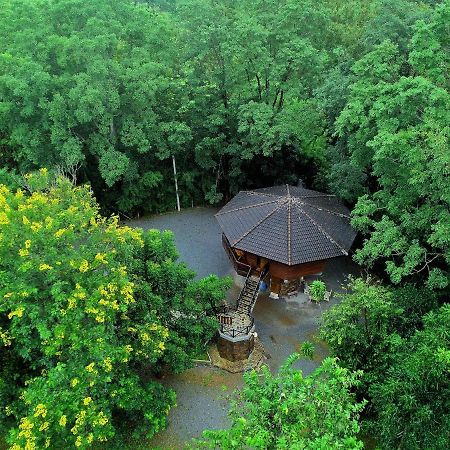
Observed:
{"x":281,"y":325}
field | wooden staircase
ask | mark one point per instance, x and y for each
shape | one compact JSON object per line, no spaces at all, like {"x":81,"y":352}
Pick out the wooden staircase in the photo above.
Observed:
{"x":239,"y":321}
{"x":248,"y":295}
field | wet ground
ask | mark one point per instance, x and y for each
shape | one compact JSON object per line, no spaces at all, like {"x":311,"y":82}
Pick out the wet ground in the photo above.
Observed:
{"x":197,"y":237}
{"x":281,"y":324}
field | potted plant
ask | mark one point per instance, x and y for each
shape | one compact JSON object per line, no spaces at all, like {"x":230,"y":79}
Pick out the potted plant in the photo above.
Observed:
{"x":317,"y":291}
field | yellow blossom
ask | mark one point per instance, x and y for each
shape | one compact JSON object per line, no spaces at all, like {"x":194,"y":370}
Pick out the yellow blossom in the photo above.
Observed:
{"x":5,"y":338}
{"x":78,"y":441}
{"x":36,"y":226}
{"x":48,"y":222}
{"x":27,"y":243}
{"x":40,"y":410}
{"x":43,"y":171}
{"x":26,"y":424}
{"x":45,"y":267}
{"x":102,"y":419}
{"x":101,"y":258}
{"x":60,"y":232}
{"x":74,"y":382}
{"x":80,"y":295}
{"x":87,"y":400}
{"x":3,"y":219}
{"x":63,"y":421}
{"x":90,"y":367}
{"x":72,"y":302}
{"x":18,"y":312}
{"x":25,"y":220}
{"x":127,"y":292}
{"x":107,"y":364}
{"x":44,"y":426}
{"x":84,"y":266}
{"x":23,"y":252}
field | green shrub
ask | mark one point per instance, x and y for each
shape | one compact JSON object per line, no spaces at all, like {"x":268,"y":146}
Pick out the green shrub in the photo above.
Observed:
{"x":289,"y":410}
{"x":317,"y":290}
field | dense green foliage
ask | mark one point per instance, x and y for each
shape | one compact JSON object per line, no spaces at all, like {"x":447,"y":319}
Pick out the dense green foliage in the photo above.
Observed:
{"x":413,"y":401}
{"x":347,"y":96}
{"x":351,"y":97}
{"x":396,"y":128}
{"x":89,"y":309}
{"x":404,"y":352}
{"x":290,"y":411}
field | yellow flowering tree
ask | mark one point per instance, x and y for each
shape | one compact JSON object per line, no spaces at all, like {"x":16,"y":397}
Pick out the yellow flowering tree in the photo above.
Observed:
{"x":80,"y":318}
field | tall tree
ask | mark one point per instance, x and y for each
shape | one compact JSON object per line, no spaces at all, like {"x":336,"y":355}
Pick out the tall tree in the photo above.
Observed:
{"x":396,"y":137}
{"x":86,"y":307}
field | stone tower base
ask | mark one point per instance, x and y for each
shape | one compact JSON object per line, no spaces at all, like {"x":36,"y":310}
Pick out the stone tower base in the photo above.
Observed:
{"x":235,"y":349}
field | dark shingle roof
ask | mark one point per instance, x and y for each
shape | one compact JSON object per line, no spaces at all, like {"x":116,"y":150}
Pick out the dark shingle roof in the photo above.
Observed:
{"x":288,"y":224}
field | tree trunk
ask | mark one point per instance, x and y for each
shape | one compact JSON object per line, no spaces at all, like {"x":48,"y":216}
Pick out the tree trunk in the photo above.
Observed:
{"x":176,"y":182}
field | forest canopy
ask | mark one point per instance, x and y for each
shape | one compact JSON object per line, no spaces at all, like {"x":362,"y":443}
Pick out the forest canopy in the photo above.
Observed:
{"x":99,"y":102}
{"x":349,"y":97}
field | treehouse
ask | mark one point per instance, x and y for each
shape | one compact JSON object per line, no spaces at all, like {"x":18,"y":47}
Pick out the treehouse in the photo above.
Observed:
{"x":287,"y":231}
{"x":278,"y":234}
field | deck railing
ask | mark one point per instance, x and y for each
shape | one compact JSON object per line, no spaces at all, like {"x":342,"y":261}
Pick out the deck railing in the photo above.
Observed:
{"x":235,"y":330}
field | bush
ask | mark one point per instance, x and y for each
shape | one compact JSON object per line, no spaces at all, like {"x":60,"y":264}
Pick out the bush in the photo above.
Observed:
{"x":317,"y":290}
{"x":292,"y":411}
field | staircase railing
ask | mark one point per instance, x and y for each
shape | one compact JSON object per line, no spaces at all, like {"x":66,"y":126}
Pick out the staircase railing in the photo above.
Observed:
{"x":243,"y":289}
{"x":256,"y":291}
{"x":234,"y":330}
{"x":240,"y":267}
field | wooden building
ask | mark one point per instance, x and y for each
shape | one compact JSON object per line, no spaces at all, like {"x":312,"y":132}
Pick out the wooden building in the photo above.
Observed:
{"x":286,"y":231}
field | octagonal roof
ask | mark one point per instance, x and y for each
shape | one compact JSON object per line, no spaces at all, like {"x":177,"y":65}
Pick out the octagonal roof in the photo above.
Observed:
{"x":288,"y":224}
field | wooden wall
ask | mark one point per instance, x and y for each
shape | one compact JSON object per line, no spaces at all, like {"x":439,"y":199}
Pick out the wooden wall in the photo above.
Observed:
{"x":279,"y":271}
{"x":285,"y":272}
